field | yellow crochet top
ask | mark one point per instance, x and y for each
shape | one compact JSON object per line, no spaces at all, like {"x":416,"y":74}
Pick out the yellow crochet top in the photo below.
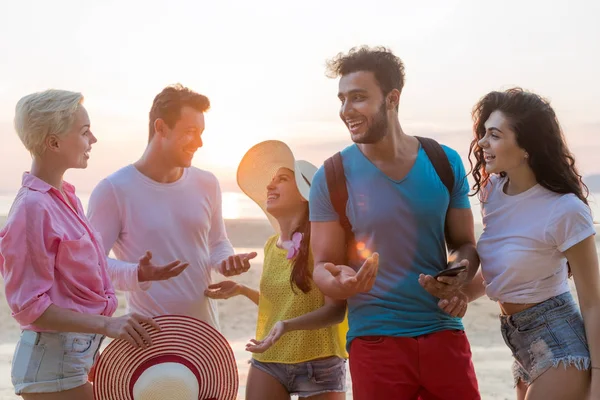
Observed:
{"x":278,"y":302}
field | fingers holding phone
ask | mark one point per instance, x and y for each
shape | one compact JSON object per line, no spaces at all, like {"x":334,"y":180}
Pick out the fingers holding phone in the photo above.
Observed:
{"x":447,"y":283}
{"x":450,"y":272}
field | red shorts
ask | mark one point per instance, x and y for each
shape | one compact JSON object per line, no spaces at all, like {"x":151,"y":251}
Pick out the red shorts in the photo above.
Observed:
{"x":436,"y":366}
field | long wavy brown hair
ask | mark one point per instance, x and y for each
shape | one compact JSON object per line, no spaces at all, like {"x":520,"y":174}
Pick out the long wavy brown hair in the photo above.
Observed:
{"x":537,"y":132}
{"x":301,"y":275}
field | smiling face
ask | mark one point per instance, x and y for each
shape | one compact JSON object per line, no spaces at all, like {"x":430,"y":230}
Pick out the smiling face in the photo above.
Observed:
{"x":73,"y":148}
{"x":501,"y":151}
{"x":363,"y":108}
{"x":181,"y":142}
{"x":283,"y":196}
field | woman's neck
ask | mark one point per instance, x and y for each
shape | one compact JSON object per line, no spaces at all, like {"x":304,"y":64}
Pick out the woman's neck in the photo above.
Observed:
{"x":288,"y":225}
{"x":47,"y":172}
{"x":520,"y":181}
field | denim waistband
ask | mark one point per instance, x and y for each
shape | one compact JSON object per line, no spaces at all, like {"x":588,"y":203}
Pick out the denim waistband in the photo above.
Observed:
{"x":538,"y":310}
{"x":34,"y":338}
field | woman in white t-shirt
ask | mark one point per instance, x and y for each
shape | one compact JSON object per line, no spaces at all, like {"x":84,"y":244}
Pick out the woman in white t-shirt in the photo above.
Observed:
{"x":537,"y":228}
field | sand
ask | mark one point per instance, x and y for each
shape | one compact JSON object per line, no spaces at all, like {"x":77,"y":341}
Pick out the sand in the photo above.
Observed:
{"x":491,"y":358}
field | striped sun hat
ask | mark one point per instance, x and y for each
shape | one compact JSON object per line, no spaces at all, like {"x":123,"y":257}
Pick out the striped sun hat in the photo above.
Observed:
{"x":188,"y":360}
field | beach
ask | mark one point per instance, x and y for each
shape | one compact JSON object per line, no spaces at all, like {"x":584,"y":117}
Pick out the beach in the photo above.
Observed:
{"x":491,"y":357}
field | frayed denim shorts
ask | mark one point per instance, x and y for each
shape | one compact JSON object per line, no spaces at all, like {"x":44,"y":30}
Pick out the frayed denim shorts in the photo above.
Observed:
{"x":544,"y":336}
{"x":310,"y":378}
{"x":46,"y":362}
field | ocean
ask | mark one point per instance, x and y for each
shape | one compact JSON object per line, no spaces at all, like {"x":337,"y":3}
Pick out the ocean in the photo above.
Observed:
{"x":239,"y":206}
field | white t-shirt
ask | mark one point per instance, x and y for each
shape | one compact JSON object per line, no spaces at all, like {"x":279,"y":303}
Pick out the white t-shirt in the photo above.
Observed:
{"x":180,"y":220}
{"x":524,"y":238}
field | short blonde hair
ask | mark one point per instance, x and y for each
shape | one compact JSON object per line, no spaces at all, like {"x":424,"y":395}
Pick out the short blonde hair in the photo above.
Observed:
{"x":38,"y":115}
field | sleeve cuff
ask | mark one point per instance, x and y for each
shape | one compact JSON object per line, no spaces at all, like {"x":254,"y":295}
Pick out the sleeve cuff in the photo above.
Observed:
{"x":219,"y":254}
{"x":324,"y":218}
{"x":134,"y":283}
{"x":28,"y":315}
{"x":124,"y":276}
{"x":572,"y":241}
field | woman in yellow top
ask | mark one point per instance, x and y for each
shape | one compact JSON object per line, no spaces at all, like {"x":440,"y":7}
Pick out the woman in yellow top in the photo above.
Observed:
{"x":300,"y":334}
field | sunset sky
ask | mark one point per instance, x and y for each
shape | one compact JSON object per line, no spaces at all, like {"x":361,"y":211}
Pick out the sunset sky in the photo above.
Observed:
{"x":262,"y":65}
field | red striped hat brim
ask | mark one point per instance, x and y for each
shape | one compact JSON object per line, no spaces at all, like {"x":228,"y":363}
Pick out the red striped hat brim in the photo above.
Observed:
{"x":186,"y":340}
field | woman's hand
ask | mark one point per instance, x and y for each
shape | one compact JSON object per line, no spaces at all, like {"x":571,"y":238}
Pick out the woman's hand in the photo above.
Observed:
{"x":223,"y":290}
{"x":129,"y":328}
{"x":260,"y":346}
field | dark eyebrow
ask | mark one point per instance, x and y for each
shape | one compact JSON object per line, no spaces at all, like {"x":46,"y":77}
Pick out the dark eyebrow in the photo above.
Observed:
{"x":494,"y":129}
{"x":353,"y":91}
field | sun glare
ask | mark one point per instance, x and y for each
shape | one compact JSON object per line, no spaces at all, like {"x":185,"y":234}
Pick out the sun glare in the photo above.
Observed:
{"x":231,"y":208}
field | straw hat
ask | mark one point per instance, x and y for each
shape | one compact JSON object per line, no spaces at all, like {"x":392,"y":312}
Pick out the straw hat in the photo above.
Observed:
{"x":260,"y":164}
{"x":188,"y":360}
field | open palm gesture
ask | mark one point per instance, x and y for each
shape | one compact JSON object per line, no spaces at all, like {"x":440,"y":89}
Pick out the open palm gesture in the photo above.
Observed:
{"x":223,"y":290}
{"x":260,"y":346}
{"x":148,"y":271}
{"x":352,"y":282}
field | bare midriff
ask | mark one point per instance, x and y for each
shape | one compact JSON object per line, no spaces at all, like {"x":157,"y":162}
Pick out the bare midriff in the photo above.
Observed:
{"x":513,"y":308}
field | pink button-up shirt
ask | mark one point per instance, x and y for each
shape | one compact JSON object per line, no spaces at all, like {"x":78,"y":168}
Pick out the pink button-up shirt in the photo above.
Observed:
{"x":49,"y":254}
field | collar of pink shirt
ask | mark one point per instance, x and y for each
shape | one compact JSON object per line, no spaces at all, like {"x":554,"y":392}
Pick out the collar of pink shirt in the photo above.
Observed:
{"x":34,"y":183}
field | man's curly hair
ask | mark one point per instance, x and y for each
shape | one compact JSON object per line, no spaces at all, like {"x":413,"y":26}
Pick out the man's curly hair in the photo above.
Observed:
{"x":387,"y":68}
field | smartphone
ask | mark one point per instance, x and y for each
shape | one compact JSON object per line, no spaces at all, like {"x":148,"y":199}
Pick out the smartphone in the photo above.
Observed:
{"x":451,"y":271}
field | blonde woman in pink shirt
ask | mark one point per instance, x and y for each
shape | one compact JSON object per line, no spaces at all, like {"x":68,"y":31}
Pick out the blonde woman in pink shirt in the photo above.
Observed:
{"x":57,"y":277}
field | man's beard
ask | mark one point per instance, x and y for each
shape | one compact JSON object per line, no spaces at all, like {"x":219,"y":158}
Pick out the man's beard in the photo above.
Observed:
{"x":376,"y":131}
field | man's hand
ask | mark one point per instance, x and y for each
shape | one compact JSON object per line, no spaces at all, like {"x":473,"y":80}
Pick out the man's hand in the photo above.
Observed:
{"x":223,"y":290}
{"x":456,"y":306}
{"x":449,"y":290}
{"x":352,"y":282}
{"x":236,"y":264}
{"x":260,"y":346}
{"x":445,"y":287}
{"x":147,"y":271}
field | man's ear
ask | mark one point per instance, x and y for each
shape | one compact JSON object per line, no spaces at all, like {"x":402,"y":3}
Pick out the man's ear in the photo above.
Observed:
{"x":160,"y":127}
{"x":393,"y":99}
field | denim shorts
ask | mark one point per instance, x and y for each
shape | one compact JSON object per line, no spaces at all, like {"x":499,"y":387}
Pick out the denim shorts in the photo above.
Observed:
{"x":308,"y":378}
{"x":544,"y":336}
{"x":47,"y":362}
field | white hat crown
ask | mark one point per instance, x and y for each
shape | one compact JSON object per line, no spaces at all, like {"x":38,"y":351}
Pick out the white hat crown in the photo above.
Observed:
{"x":168,"y":380}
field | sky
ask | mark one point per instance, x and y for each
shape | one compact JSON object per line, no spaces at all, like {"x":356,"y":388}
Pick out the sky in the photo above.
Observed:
{"x":262,"y":64}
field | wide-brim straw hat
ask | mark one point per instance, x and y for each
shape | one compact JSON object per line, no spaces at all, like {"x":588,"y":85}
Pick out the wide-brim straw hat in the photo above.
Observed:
{"x":188,"y":360}
{"x":260,"y":164}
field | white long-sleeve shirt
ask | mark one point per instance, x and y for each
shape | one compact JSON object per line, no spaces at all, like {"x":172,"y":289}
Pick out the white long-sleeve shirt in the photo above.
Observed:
{"x":180,"y":220}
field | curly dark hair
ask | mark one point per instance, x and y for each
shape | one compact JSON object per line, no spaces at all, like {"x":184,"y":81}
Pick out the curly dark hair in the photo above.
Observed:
{"x":387,"y":68}
{"x":537,"y":132}
{"x":167,"y":105}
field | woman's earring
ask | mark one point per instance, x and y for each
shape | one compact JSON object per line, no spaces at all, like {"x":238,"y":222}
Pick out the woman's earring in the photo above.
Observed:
{"x":526,"y":155}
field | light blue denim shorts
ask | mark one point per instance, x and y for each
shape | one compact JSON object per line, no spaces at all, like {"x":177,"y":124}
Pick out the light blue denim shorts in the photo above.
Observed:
{"x":53,"y":362}
{"x":544,"y":336}
{"x":308,"y":378}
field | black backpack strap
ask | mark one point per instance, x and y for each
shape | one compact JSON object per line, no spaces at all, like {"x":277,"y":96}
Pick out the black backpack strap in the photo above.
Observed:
{"x":442,"y":166}
{"x":440,"y":161}
{"x":338,"y":194}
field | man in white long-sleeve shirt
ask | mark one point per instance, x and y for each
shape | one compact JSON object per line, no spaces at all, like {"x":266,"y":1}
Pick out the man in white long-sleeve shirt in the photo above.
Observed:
{"x":162,"y":203}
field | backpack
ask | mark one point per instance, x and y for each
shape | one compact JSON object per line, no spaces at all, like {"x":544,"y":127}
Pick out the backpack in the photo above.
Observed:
{"x":338,"y":192}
